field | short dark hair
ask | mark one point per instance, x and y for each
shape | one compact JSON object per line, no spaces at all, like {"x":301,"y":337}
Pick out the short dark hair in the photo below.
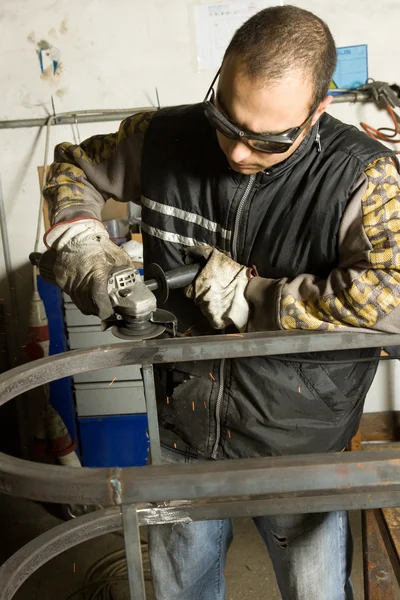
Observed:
{"x":278,"y":39}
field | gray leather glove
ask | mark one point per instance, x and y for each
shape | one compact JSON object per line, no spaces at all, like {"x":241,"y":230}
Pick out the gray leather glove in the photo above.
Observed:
{"x":85,"y":257}
{"x":218,"y":289}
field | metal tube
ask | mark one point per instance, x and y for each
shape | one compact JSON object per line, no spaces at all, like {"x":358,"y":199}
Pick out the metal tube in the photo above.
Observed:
{"x":14,"y":324}
{"x":78,"y":117}
{"x":278,"y":477}
{"x":96,"y":486}
{"x":19,"y":567}
{"x":133,"y":551}
{"x":99,"y":116}
{"x":351,"y":97}
{"x":28,"y":376}
{"x":152,"y":415}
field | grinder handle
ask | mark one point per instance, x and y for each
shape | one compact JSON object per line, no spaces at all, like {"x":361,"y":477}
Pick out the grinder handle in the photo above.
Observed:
{"x":183,"y":276}
{"x":160,"y":281}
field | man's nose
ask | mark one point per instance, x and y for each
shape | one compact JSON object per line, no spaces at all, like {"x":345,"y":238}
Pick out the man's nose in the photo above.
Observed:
{"x":239,"y":152}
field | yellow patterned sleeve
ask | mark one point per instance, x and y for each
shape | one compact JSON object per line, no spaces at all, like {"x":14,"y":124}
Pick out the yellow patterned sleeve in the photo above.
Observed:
{"x":84,"y":176}
{"x":365,"y":294}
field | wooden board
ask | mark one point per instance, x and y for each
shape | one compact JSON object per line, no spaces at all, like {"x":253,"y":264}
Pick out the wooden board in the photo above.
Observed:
{"x":383,"y":426}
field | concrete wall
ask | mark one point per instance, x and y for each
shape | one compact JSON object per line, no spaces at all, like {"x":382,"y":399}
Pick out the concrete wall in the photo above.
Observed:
{"x":113,"y":55}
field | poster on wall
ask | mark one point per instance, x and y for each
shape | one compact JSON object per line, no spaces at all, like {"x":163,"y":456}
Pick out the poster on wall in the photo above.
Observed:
{"x":352,"y":67}
{"x":215,"y":25}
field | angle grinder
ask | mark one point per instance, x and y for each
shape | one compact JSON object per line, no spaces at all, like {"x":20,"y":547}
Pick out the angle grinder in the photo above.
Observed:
{"x":134,"y":300}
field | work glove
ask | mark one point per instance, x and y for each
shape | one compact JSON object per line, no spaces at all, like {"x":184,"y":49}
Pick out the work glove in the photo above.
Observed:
{"x":218,"y":289}
{"x":85,"y":257}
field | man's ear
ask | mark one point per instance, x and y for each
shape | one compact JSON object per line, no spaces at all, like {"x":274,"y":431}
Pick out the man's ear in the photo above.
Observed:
{"x":321,"y":108}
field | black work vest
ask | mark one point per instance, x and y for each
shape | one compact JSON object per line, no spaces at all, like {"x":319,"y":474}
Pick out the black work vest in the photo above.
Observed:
{"x":284,"y":221}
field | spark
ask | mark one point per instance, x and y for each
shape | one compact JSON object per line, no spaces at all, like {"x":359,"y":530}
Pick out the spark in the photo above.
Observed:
{"x":74,"y":567}
{"x":212,"y":376}
{"x":234,"y":334}
{"x":192,"y":405}
{"x":174,"y":445}
{"x":167,"y":399}
{"x":111,"y":382}
{"x":188,"y":330}
{"x":205,"y":404}
{"x":229,"y":433}
{"x":299,"y":389}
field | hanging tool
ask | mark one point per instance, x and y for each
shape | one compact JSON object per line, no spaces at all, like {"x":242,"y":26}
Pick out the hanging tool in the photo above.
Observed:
{"x":134,"y":300}
{"x":386,"y":96}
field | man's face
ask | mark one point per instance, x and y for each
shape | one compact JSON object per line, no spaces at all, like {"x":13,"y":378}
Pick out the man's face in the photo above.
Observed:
{"x":261,"y":109}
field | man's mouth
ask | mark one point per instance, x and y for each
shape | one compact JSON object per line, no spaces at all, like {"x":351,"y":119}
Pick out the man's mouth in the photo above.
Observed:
{"x":242,"y":167}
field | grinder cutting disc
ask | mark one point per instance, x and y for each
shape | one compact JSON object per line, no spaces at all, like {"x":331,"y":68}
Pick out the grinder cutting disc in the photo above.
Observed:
{"x":146,"y":329}
{"x":143,"y":331}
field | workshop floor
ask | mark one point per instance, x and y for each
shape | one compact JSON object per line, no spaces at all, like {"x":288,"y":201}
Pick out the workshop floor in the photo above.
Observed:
{"x":249,"y":572}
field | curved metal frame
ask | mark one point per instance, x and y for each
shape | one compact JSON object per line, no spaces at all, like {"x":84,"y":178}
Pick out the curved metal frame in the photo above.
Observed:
{"x":21,"y":565}
{"x":114,"y":486}
{"x":307,"y":483}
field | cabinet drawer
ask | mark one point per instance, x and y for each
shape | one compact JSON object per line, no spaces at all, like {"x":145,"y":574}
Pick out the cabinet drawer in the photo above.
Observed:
{"x":123,"y":398}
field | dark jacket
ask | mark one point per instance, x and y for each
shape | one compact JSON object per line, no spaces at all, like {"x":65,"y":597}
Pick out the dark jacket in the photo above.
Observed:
{"x":285,"y":222}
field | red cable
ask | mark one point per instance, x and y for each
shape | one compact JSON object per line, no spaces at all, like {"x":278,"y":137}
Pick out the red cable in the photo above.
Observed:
{"x":379,"y":135}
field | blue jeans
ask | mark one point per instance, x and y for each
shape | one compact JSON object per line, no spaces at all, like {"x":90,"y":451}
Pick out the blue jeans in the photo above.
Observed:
{"x":311,"y":555}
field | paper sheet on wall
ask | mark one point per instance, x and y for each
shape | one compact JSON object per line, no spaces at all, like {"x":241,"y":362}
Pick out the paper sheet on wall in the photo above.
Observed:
{"x":352,"y":67}
{"x":215,"y":25}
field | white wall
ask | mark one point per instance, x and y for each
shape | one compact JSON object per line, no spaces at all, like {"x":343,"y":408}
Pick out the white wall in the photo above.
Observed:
{"x":113,"y":54}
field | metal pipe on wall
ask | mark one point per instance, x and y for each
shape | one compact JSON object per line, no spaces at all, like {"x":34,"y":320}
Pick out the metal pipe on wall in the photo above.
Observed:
{"x":13,"y":329}
{"x":9,"y":271}
{"x":99,"y":116}
{"x":72,"y":118}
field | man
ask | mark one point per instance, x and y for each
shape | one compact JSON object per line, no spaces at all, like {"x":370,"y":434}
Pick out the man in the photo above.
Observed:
{"x":294,"y":215}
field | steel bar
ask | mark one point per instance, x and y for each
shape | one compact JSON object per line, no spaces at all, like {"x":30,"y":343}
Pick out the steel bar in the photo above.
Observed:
{"x":304,"y":483}
{"x":19,"y":567}
{"x":102,"y":486}
{"x":391,"y":517}
{"x":76,"y":118}
{"x":98,"y":116}
{"x":388,"y":521}
{"x":247,"y":506}
{"x":152,"y":415}
{"x":28,"y":376}
{"x":320,"y":474}
{"x":379,"y":580}
{"x":133,"y":550}
{"x":14,"y":341}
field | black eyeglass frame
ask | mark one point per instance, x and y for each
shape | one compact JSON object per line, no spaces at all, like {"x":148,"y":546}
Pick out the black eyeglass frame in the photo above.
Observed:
{"x":281,"y":142}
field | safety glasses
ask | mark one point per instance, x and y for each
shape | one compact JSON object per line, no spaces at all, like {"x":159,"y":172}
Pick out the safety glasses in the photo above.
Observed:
{"x":271,"y":144}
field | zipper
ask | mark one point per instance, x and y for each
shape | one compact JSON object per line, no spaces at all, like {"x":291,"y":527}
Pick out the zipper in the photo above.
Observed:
{"x":235,"y":236}
{"x":214,"y":453}
{"x":239,"y":214}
